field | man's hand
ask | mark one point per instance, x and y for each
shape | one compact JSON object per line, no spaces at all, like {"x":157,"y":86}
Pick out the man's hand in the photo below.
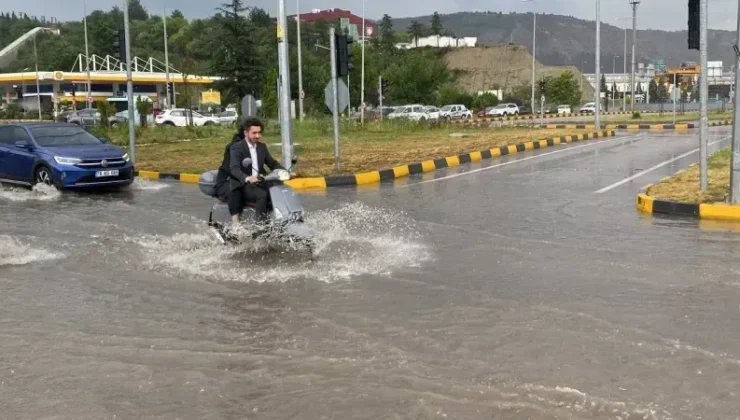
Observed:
{"x":293,"y":175}
{"x":252,"y":179}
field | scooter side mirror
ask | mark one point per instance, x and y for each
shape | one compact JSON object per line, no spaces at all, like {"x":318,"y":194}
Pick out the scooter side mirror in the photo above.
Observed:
{"x":247,"y":162}
{"x":294,"y":160}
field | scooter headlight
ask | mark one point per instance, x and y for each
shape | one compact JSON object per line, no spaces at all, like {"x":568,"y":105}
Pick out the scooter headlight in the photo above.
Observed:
{"x":284,"y":176}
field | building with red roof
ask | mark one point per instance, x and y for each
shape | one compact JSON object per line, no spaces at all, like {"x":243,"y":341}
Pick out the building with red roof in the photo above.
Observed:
{"x":347,"y":20}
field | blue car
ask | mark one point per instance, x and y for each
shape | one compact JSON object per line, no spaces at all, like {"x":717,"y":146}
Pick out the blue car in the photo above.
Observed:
{"x":60,"y":154}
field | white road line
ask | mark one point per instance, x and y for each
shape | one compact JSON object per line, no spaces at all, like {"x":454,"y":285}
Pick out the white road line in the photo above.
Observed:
{"x":658,"y":166}
{"x":511,"y":162}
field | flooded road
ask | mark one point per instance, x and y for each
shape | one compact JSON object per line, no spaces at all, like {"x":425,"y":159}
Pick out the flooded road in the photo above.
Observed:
{"x":507,"y":289}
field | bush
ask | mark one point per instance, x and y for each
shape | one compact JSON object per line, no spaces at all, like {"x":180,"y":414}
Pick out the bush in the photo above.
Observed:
{"x":636,"y":116}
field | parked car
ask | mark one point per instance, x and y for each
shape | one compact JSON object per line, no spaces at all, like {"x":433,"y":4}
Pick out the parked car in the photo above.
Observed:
{"x":228,"y":117}
{"x":432,"y":112}
{"x":564,"y":109}
{"x":88,"y":117}
{"x":455,"y":112}
{"x":524,"y":110}
{"x":410,"y":112}
{"x":61,"y":154}
{"x":178,"y":117}
{"x":588,"y":108}
{"x":484,"y":112}
{"x":504,"y":110}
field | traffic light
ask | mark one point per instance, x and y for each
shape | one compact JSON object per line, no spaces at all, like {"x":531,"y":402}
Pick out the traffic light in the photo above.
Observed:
{"x":18,"y":92}
{"x":344,"y":54}
{"x":542,"y":87}
{"x":119,"y":45}
{"x":383,"y":86}
{"x":694,"y":24}
{"x":169,"y":94}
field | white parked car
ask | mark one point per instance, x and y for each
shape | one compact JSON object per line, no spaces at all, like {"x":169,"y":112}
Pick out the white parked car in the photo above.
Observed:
{"x":455,"y":112}
{"x":564,"y":109}
{"x":432,"y":112}
{"x":409,"y":112}
{"x":504,"y":110}
{"x":227,"y":117}
{"x":178,"y":117}
{"x":589,"y":108}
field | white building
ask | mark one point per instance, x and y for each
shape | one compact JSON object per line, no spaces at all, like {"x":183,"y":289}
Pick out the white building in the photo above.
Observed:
{"x":439,"y":41}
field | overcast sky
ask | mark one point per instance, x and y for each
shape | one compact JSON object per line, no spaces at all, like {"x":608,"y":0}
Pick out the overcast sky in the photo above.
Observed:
{"x":653,"y":14}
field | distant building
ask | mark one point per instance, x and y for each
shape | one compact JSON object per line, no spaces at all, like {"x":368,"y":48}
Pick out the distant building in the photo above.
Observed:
{"x":439,"y":41}
{"x":347,"y":21}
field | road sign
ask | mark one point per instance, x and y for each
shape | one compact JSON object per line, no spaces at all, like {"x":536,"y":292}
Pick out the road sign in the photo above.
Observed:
{"x":303,"y":95}
{"x":249,"y":107}
{"x":90,"y":99}
{"x":343,"y":95}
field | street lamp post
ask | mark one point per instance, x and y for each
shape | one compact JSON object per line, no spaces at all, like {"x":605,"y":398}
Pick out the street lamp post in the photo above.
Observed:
{"x":597,"y":114}
{"x":301,"y":94}
{"x":534,"y":49}
{"x":634,"y":4}
{"x":362,"y":87}
{"x":38,"y":90}
{"x":166,"y":61}
{"x":614,"y":75}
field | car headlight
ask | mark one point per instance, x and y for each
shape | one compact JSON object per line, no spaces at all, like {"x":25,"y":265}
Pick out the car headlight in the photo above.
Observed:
{"x":125,"y":157}
{"x":66,"y":160}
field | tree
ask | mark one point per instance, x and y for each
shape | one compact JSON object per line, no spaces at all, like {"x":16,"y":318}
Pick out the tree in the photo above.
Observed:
{"x":416,"y":30}
{"x":653,"y":90}
{"x":177,"y":14}
{"x":136,"y":11}
{"x":269,"y":95}
{"x":436,"y":26}
{"x":605,"y":91}
{"x":563,"y":89}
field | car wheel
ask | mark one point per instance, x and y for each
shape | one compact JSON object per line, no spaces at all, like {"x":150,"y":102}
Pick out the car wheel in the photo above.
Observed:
{"x":209,"y":123}
{"x":114,"y":125}
{"x":43,"y":176}
{"x":516,"y":113}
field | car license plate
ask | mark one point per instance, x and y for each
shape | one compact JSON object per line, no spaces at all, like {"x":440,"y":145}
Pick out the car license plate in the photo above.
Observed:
{"x":101,"y":174}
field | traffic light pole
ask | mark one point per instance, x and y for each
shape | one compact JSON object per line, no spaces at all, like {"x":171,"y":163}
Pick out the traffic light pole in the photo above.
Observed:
{"x":704,"y":91}
{"x":380,"y":95}
{"x":735,"y":162}
{"x":335,"y":101}
{"x":597,"y":113}
{"x":285,"y":114}
{"x":129,"y":87}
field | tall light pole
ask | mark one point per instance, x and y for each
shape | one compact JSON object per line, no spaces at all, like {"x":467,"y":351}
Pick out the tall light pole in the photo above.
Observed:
{"x":735,"y":161}
{"x":704,"y":93}
{"x":362,"y":87}
{"x":301,"y":94}
{"x":38,"y":90}
{"x":624,"y":67}
{"x":634,"y":4}
{"x":129,"y":85}
{"x":166,"y":59}
{"x":87,"y":61}
{"x":284,"y":67}
{"x":614,"y":76}
{"x":597,"y":114}
{"x":534,"y":49}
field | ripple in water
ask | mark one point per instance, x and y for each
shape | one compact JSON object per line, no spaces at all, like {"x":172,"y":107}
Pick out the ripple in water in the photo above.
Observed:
{"x":350,"y":241}
{"x":142,"y":184}
{"x":14,"y":252}
{"x":39,"y":192}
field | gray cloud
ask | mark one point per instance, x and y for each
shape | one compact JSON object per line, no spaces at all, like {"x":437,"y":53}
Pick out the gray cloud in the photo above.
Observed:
{"x":654,"y":14}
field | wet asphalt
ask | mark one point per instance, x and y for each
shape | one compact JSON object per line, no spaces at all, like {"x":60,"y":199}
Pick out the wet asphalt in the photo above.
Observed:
{"x":506,"y":289}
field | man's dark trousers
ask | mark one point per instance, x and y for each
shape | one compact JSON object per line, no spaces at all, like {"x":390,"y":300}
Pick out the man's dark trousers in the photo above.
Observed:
{"x":252,"y":193}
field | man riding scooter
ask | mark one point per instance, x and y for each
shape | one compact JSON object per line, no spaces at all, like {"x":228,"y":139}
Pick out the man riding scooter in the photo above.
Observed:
{"x":241,"y":187}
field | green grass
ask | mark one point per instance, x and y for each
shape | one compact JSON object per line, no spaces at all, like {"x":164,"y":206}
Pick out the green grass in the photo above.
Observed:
{"x":372,"y":147}
{"x":684,"y":185}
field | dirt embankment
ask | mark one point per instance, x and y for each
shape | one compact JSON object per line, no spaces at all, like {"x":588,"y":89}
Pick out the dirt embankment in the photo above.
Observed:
{"x":506,"y":66}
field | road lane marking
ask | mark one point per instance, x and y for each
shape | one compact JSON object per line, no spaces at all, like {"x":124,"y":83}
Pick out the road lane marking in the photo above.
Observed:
{"x":511,"y":162}
{"x":658,"y":166}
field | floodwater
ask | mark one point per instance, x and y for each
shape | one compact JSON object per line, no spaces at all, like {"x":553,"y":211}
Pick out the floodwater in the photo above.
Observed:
{"x":507,"y":289}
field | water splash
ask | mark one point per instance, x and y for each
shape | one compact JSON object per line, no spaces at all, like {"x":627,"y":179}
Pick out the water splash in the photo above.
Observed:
{"x":14,"y":252}
{"x":350,"y":241}
{"x":39,"y":192}
{"x":141,"y":184}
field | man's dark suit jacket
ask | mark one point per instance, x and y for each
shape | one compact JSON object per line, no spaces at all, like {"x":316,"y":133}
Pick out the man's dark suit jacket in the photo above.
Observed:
{"x":238,"y":151}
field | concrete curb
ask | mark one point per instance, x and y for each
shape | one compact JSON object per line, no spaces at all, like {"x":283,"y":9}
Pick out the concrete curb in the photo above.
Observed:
{"x":537,"y":117}
{"x":679,"y":126}
{"x":709,"y":211}
{"x":403,"y":170}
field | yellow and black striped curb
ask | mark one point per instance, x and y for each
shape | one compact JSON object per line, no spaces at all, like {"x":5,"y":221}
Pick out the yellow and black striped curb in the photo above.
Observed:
{"x":403,"y":170}
{"x":537,"y":117}
{"x":679,"y":126}
{"x":708,"y":211}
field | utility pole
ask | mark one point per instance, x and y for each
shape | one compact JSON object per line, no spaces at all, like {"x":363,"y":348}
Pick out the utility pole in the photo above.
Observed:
{"x":284,"y":67}
{"x":87,"y":60}
{"x":674,"y":97}
{"x":301,"y":94}
{"x":704,"y":92}
{"x":380,"y":95}
{"x":129,"y":86}
{"x":534,"y":44}
{"x":634,"y":4}
{"x":38,"y":92}
{"x":335,"y":101}
{"x":597,"y":114}
{"x":362,"y":87}
{"x":735,"y":162}
{"x":166,"y":60}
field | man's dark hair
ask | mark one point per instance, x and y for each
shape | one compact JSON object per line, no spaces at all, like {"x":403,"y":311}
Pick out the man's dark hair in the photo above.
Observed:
{"x":252,"y":122}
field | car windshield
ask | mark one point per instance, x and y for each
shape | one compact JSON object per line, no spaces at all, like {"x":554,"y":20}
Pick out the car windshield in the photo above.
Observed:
{"x":446,"y":108}
{"x":63,"y":136}
{"x":500,"y":106}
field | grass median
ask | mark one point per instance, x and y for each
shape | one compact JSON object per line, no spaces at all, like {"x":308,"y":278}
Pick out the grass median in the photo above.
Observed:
{"x":372,"y":147}
{"x":684,"y":186}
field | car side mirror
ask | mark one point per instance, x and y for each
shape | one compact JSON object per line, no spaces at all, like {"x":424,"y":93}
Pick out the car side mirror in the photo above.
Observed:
{"x":247,"y":162}
{"x":294,"y":160}
{"x":22,"y":144}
